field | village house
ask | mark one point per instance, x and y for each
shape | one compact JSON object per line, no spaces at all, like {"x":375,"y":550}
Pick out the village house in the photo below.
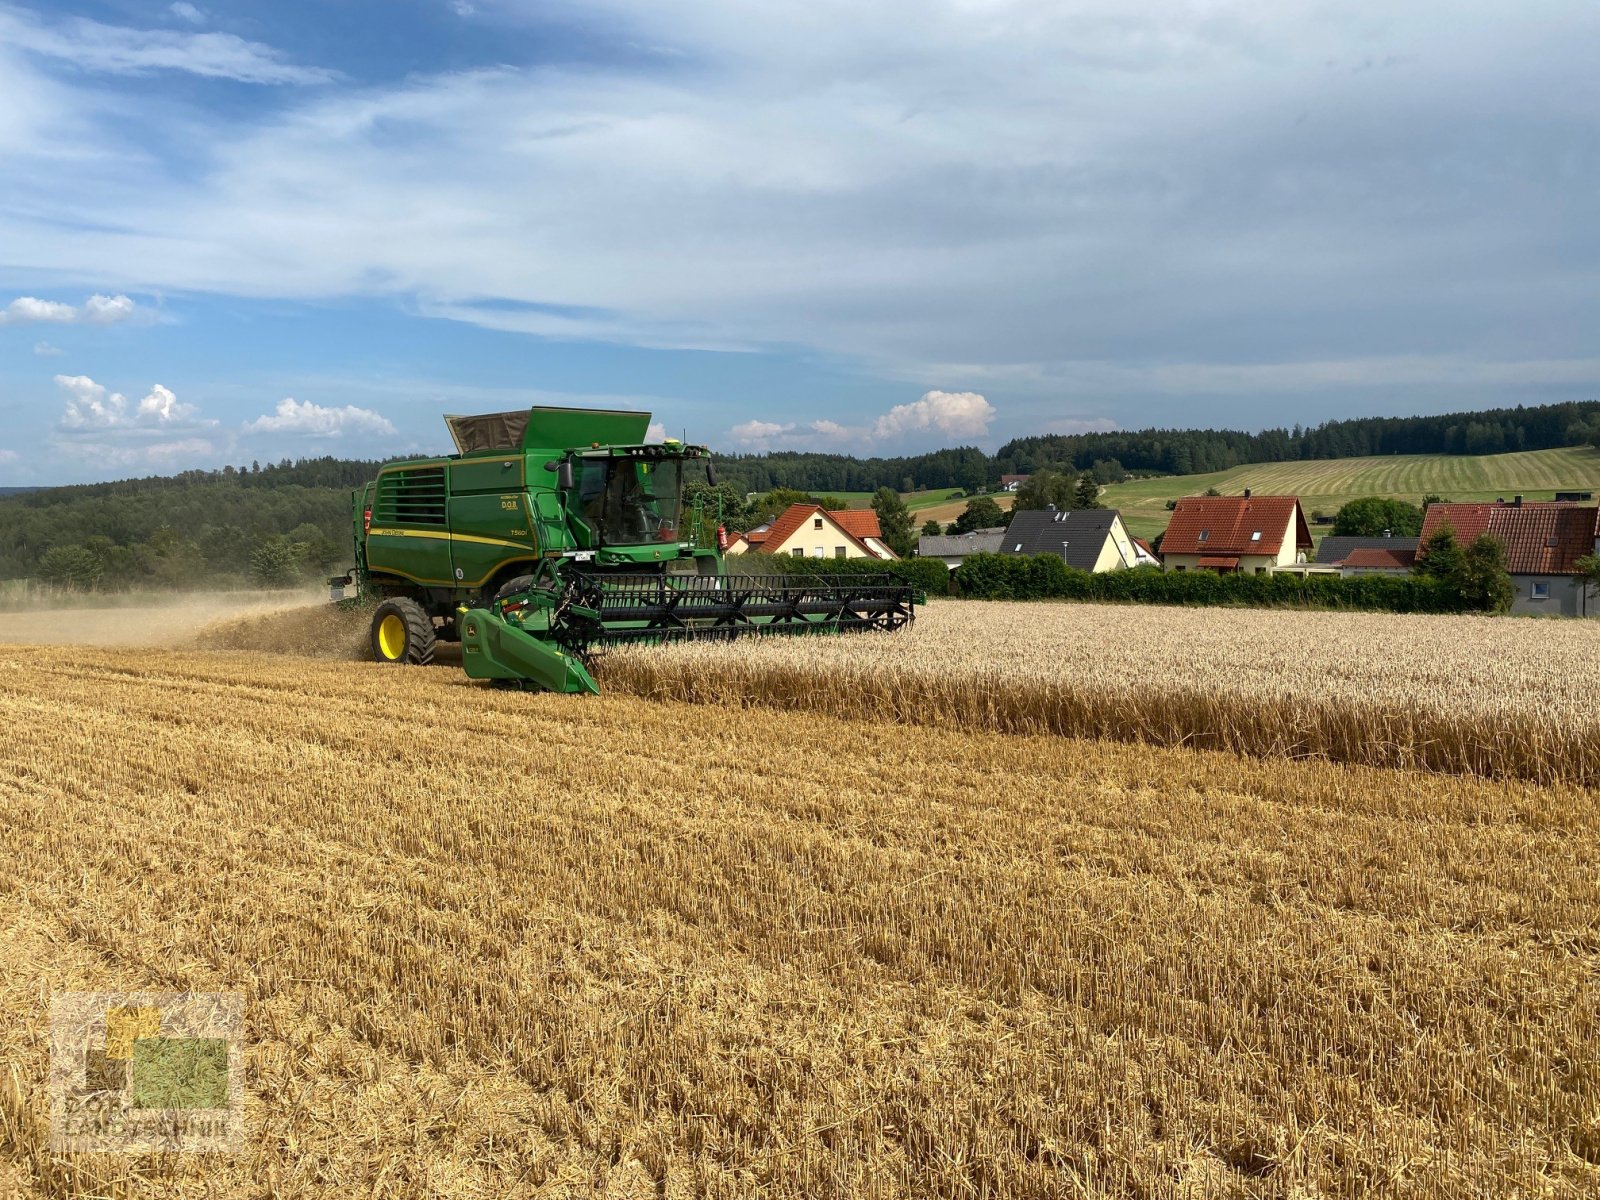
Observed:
{"x":1368,"y":555}
{"x":1246,"y":534}
{"x":1543,"y":543}
{"x":1090,"y":539}
{"x":1010,"y":483}
{"x":811,"y":531}
{"x":953,"y":548}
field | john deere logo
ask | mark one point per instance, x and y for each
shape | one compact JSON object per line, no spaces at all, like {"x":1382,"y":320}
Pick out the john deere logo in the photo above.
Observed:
{"x":145,"y":1072}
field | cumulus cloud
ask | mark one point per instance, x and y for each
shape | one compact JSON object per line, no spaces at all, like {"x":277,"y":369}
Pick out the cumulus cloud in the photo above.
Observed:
{"x":96,"y":310}
{"x":46,"y":350}
{"x":185,"y":11}
{"x":758,"y":435}
{"x":91,"y":405}
{"x":120,"y":50}
{"x":941,"y":417}
{"x":954,"y":414}
{"x":306,"y":419}
{"x":656,"y":433}
{"x":7,"y":457}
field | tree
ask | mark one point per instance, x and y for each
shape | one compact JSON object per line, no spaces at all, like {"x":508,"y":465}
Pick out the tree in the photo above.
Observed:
{"x":1213,"y":490}
{"x":1587,"y":569}
{"x":1483,"y":580}
{"x":73,"y":567}
{"x":982,"y":513}
{"x":1045,"y":488}
{"x":273,"y":563}
{"x":1440,"y":556}
{"x":895,"y":521}
{"x":1087,"y":492}
{"x":930,"y":528}
{"x":1372,"y":516}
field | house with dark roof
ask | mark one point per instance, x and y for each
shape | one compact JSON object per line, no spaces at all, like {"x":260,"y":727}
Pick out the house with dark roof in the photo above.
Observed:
{"x":1368,"y":555}
{"x":811,"y":531}
{"x":1247,"y":534}
{"x":1543,"y":543}
{"x":953,"y":548}
{"x":1089,"y":539}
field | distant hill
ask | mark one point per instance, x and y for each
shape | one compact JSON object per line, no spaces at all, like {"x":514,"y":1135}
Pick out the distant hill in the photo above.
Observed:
{"x":1326,"y":484}
{"x":17,"y":491}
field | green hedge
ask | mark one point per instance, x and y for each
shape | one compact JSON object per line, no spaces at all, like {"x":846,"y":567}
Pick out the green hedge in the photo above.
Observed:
{"x":927,"y":574}
{"x":1046,"y":577}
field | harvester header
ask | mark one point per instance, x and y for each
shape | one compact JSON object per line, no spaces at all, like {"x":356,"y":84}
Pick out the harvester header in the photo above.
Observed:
{"x":552,"y":532}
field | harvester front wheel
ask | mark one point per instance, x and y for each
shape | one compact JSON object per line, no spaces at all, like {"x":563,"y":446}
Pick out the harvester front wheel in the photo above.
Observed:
{"x":402,"y":633}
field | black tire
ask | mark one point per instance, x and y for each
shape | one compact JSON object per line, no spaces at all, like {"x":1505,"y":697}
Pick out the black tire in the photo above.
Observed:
{"x":402,"y":633}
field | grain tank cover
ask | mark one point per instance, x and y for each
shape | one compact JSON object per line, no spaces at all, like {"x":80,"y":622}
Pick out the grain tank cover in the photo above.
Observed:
{"x":547,"y":429}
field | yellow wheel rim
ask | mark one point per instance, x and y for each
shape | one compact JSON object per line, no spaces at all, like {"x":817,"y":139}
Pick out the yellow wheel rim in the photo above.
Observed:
{"x":392,"y":637}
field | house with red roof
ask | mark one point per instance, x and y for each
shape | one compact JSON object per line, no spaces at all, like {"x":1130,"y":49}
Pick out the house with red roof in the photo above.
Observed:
{"x":1543,"y":542}
{"x":811,"y":531}
{"x":1245,"y":534}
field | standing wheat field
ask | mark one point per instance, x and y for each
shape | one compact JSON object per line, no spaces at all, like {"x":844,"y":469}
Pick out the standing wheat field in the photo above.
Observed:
{"x":1481,"y":695}
{"x":496,"y":944}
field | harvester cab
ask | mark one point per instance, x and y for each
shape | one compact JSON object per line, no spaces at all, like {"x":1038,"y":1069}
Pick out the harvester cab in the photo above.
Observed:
{"x":552,"y":532}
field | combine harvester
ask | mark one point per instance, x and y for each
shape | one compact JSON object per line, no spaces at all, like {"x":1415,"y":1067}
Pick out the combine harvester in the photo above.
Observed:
{"x":557,"y":531}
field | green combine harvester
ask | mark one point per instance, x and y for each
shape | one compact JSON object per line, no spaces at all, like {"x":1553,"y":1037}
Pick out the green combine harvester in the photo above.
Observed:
{"x":555,"y":532}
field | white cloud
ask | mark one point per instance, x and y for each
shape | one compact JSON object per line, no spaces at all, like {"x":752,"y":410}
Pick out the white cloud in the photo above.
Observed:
{"x":119,"y":50}
{"x":91,"y":405}
{"x":657,"y":432}
{"x":938,"y":417}
{"x":185,"y":11}
{"x":160,"y":456}
{"x":46,"y":350}
{"x":9,"y":456}
{"x":462,"y":8}
{"x":1006,"y":183}
{"x":758,"y":435}
{"x":96,"y":310}
{"x":953,"y":414}
{"x":313,"y":420}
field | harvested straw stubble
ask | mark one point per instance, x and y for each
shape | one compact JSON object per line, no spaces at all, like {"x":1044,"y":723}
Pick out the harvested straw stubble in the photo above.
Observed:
{"x":929,"y":964}
{"x":1467,"y":695}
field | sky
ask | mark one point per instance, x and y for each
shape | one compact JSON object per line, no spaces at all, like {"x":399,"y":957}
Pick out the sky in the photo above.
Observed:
{"x":235,"y":232}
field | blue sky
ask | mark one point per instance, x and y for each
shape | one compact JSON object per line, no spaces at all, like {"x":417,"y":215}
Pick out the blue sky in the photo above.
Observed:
{"x":236,"y":231}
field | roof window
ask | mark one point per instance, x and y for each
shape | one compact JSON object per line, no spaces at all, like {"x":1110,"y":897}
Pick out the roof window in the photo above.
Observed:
{"x":1204,"y":534}
{"x":1256,"y":536}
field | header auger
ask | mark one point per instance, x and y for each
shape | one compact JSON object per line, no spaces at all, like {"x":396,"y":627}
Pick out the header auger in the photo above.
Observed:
{"x":554,"y":532}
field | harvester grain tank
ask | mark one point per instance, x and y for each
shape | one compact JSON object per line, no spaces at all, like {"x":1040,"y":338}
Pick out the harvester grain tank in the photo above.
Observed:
{"x":553,"y":532}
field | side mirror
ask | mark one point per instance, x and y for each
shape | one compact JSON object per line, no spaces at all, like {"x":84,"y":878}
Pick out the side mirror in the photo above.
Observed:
{"x":711,"y":473}
{"x":564,"y":475}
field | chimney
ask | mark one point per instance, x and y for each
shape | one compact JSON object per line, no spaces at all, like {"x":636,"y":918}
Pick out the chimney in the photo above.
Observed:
{"x":1247,"y":493}
{"x":1049,"y":508}
{"x":1388,"y":533}
{"x":1517,"y":501}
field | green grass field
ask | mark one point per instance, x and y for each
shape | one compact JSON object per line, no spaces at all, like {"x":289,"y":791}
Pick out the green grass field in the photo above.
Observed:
{"x":914,"y":500}
{"x":1324,"y":485}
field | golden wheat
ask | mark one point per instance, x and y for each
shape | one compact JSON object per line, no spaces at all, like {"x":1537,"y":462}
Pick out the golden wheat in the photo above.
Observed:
{"x":496,"y":944}
{"x":1496,"y":697}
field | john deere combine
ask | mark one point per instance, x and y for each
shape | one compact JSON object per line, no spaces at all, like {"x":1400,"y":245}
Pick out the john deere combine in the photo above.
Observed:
{"x":554,"y":532}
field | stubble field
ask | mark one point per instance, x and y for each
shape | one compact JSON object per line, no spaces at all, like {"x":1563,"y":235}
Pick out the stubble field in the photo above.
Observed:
{"x":495,"y":944}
